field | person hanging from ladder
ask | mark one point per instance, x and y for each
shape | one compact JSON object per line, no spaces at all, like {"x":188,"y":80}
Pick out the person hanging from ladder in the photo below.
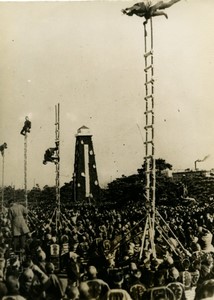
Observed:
{"x":2,"y":148}
{"x":51,"y":155}
{"x":27,"y":126}
{"x":148,"y":10}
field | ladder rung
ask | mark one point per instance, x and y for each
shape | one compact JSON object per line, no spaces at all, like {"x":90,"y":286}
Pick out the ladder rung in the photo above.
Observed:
{"x":147,"y":97}
{"x":148,"y":53}
{"x":149,"y":82}
{"x":149,"y":142}
{"x":148,"y":126}
{"x":149,"y":112}
{"x":147,"y":68}
{"x":148,"y":156}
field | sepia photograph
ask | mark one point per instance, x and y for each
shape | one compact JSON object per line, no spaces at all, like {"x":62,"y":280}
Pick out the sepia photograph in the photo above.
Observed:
{"x":107,"y":154}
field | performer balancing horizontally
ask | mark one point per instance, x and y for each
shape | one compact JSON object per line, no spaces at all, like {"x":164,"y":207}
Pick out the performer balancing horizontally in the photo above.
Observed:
{"x":147,"y":10}
{"x":27,"y":126}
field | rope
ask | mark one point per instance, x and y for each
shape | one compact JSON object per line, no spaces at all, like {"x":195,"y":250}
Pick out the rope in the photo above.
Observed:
{"x":143,"y":239}
{"x":171,"y":232}
{"x":119,"y":243}
{"x":51,"y":218}
{"x":67,"y":221}
{"x":162,"y":234}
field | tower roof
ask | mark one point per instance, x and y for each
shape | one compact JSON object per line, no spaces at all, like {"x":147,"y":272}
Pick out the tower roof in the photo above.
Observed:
{"x":83,"y":131}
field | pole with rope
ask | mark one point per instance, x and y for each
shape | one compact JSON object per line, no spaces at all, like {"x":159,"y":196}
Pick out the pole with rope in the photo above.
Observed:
{"x":2,"y":203}
{"x":2,"y":149}
{"x":25,"y":130}
{"x":25,"y":170}
{"x":57,"y":141}
{"x":53,"y":155}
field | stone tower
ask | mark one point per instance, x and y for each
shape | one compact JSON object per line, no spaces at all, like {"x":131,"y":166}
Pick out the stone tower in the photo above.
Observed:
{"x":85,"y":180}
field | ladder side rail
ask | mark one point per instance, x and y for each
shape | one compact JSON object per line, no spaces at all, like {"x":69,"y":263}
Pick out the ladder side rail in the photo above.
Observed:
{"x":25,"y":170}
{"x":2,"y":196}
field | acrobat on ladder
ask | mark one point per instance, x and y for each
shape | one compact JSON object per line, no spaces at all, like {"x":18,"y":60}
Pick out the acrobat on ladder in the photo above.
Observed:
{"x":148,"y":10}
{"x":52,"y":155}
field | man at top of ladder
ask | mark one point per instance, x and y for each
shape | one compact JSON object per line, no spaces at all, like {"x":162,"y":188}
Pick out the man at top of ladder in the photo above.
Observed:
{"x":148,"y":10}
{"x":2,"y":148}
{"x":27,"y":126}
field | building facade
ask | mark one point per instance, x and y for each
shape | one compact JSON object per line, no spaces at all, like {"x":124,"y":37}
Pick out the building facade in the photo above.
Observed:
{"x":190,"y":174}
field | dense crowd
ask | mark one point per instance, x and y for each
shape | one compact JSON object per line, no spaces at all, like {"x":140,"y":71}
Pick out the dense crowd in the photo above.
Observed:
{"x":93,"y":252}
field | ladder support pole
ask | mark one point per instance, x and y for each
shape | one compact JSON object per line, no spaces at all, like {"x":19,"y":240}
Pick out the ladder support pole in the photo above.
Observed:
{"x":25,"y":170}
{"x":2,"y":188}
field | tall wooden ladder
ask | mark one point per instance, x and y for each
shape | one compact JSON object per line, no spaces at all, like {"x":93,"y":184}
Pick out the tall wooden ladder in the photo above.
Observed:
{"x":149,"y":229}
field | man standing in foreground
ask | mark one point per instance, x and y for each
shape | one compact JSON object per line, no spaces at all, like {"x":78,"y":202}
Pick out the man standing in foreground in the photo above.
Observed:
{"x":17,"y":215}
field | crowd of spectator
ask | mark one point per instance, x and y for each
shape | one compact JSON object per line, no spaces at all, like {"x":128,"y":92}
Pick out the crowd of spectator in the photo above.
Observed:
{"x":95,"y":252}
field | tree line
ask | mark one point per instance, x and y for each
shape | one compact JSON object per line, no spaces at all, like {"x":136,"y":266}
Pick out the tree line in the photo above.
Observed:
{"x":125,"y":189}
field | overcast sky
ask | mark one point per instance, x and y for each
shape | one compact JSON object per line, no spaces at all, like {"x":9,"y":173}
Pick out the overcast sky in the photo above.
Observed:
{"x":89,"y":57}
